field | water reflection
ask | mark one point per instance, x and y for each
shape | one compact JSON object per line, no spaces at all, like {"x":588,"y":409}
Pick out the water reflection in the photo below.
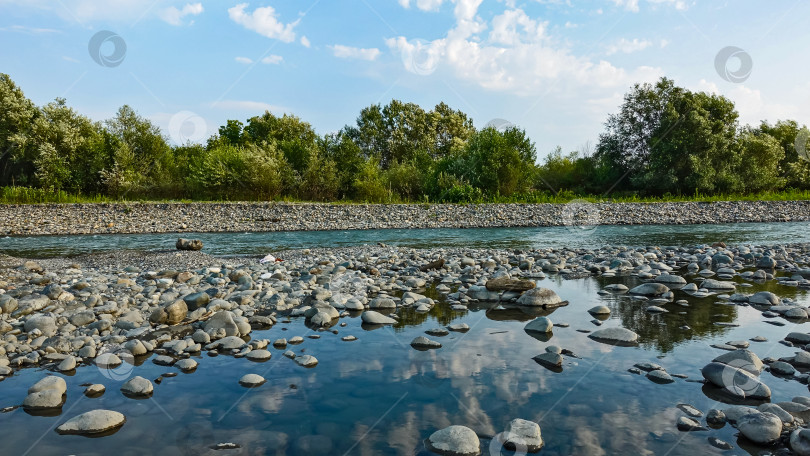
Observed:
{"x":377,"y":395}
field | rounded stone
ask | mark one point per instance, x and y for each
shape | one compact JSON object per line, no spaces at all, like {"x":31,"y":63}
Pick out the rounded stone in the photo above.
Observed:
{"x":93,"y":422}
{"x":454,"y":441}
{"x":251,"y":380}
{"x":137,"y":387}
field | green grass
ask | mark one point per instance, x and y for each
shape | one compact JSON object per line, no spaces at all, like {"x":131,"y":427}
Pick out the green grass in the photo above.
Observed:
{"x":27,"y":195}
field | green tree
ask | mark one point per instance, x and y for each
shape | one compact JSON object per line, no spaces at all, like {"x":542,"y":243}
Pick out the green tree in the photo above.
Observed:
{"x":627,"y":143}
{"x":68,"y":149}
{"x":16,"y":115}
{"x":138,"y":155}
{"x":369,"y":185}
{"x":294,"y":137}
{"x":759,"y":165}
{"x":794,"y":169}
{"x":496,"y":163}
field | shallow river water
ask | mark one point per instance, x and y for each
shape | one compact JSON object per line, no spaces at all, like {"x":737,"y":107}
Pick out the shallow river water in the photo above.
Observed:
{"x":530,"y":237}
{"x":378,"y":395}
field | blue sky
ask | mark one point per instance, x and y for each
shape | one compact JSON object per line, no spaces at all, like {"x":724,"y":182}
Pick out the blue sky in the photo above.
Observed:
{"x":554,"y":68}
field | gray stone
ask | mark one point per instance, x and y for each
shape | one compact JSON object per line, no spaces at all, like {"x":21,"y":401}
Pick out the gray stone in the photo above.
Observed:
{"x":800,"y":442}
{"x":541,"y":297}
{"x":424,"y":342}
{"x":742,"y":359}
{"x":306,"y":361}
{"x":137,"y":387}
{"x":259,"y":355}
{"x":617,"y":336}
{"x":375,"y":318}
{"x":454,"y":441}
{"x":539,"y":324}
{"x":548,"y":359}
{"x":45,"y":323}
{"x":251,"y":380}
{"x":522,"y":436}
{"x":762,"y":428}
{"x":650,"y":289}
{"x":737,"y":381}
{"x":92,"y":422}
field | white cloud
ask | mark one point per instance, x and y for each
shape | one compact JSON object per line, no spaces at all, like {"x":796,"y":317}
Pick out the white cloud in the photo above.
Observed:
{"x":628,"y":46}
{"x":253,"y":106}
{"x":28,"y":30}
{"x":632,"y":5}
{"x":348,"y":52}
{"x":424,"y":5}
{"x":629,"y":5}
{"x":244,"y":60}
{"x":273,"y":59}
{"x":263,"y":21}
{"x":516,"y":56}
{"x":305,"y":41}
{"x":174,"y":16}
{"x":750,"y":103}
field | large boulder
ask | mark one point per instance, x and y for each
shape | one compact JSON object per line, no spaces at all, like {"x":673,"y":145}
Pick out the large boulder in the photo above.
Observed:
{"x":137,"y":387}
{"x":221,"y":324}
{"x":92,"y":423}
{"x":48,"y":393}
{"x":170,"y":314}
{"x":539,"y":324}
{"x":800,"y":442}
{"x":765,"y":298}
{"x":196,"y":300}
{"x":669,"y":278}
{"x":742,"y":359}
{"x":522,"y":436}
{"x":45,"y":323}
{"x":375,"y":318}
{"x":188,"y":244}
{"x":615,"y":336}
{"x":650,"y":289}
{"x":541,"y":297}
{"x":735,"y":381}
{"x":454,"y":441}
{"x":762,"y":428}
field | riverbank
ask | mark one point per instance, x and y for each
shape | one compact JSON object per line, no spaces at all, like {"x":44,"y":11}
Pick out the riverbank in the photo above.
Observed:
{"x":128,"y":218}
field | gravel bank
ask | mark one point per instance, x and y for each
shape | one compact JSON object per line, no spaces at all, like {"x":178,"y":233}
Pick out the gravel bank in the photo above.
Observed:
{"x":239,"y":217}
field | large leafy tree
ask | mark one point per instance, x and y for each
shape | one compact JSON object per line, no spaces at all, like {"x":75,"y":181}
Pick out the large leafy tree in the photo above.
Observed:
{"x":630,"y":135}
{"x":289,"y":134}
{"x":16,"y":115}
{"x":67,"y":149}
{"x":137,"y":154}
{"x":403,"y":132}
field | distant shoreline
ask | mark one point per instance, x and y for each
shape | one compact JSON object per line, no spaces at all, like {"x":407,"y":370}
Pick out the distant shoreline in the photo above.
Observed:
{"x":135,"y":218}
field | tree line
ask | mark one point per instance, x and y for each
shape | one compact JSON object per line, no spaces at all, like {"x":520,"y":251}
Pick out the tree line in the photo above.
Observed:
{"x":665,"y":140}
